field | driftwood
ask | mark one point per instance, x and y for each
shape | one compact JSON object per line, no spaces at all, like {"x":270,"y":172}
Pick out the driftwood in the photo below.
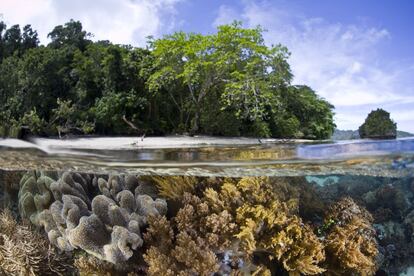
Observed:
{"x":133,"y":126}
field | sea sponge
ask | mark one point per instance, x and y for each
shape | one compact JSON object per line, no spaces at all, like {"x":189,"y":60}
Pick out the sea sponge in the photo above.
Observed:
{"x":23,"y":251}
{"x":34,"y":195}
{"x":351,"y":244}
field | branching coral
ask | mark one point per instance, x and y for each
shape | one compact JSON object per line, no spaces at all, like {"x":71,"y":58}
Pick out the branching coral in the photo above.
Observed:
{"x":240,"y":216}
{"x":351,"y":244}
{"x":174,"y":187}
{"x":88,"y":265}
{"x":183,"y":256}
{"x":285,"y":236}
{"x":25,"y":252}
{"x":266,"y":223}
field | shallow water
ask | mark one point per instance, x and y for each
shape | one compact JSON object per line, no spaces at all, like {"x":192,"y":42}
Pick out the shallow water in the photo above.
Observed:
{"x":377,"y":175}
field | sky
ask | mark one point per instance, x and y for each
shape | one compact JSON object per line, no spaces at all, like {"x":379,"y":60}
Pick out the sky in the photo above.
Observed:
{"x":356,"y":54}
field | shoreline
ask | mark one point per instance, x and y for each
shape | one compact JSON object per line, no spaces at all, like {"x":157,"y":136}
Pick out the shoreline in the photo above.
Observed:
{"x":161,"y":142}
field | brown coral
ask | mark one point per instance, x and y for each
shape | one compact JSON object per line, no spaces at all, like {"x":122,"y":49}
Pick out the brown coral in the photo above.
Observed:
{"x":351,"y":245}
{"x":183,"y":256}
{"x":174,"y":187}
{"x":88,"y":265}
{"x":239,"y":218}
{"x":25,"y":252}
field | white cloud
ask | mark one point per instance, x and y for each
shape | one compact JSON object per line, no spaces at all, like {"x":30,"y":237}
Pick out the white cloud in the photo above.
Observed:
{"x":341,"y":62}
{"x":226,"y":15}
{"x":120,"y":21}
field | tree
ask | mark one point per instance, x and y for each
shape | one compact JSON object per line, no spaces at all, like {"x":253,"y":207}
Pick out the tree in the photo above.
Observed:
{"x":30,"y":38}
{"x":226,"y":83}
{"x":234,"y":61}
{"x":12,"y":40}
{"x":304,"y":115}
{"x":378,"y":124}
{"x":71,"y":34}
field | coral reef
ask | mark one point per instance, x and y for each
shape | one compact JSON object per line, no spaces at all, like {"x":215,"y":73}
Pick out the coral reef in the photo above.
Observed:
{"x":109,"y":227}
{"x":118,"y":224}
{"x":23,"y":251}
{"x":237,"y":219}
{"x":351,"y":245}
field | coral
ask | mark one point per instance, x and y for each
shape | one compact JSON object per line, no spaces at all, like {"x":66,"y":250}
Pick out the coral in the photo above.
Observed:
{"x":289,"y":240}
{"x":9,"y":181}
{"x":268,"y":224}
{"x":74,"y":184}
{"x":178,"y":254}
{"x":34,"y":195}
{"x":174,"y":187}
{"x":88,"y":265}
{"x":109,"y":227}
{"x":238,"y":218}
{"x":25,"y":252}
{"x":351,"y":245}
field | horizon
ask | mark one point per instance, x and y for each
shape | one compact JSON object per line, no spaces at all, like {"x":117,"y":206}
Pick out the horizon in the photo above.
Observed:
{"x":355,"y":55}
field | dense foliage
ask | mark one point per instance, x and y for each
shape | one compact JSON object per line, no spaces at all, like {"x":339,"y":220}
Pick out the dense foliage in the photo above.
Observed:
{"x":226,"y":83}
{"x":378,"y":124}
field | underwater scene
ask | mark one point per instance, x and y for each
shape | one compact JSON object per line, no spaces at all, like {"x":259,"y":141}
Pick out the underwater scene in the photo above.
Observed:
{"x":256,"y":207}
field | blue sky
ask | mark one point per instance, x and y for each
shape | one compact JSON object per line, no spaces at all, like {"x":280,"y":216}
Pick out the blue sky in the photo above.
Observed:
{"x":356,"y":54}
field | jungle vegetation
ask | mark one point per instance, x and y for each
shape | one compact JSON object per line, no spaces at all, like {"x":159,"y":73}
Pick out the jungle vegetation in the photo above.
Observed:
{"x":227,"y":83}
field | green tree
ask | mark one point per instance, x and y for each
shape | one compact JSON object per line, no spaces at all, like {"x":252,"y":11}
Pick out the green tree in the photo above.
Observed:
{"x":234,"y":61}
{"x":12,"y":40}
{"x":304,"y":115}
{"x":378,"y":124}
{"x":69,"y":35}
{"x":30,"y":39}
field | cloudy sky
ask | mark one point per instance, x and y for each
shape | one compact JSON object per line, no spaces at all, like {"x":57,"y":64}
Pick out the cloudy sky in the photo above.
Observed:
{"x":356,"y":54}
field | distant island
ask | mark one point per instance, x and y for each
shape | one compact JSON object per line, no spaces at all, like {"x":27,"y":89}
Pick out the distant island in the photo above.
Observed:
{"x":354,"y":134}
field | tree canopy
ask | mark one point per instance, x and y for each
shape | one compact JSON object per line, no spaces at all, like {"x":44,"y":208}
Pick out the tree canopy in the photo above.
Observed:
{"x":378,"y":124}
{"x":226,"y":83}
